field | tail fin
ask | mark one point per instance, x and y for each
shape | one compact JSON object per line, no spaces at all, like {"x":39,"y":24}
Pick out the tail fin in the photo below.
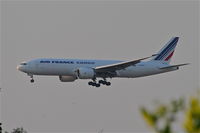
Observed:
{"x":166,"y":53}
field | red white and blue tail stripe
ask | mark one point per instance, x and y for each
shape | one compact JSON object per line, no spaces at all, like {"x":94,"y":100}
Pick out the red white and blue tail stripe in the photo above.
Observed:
{"x":166,"y":53}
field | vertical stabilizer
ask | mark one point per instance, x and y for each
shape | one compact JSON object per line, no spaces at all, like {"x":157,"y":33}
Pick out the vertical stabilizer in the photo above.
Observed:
{"x":166,"y":53}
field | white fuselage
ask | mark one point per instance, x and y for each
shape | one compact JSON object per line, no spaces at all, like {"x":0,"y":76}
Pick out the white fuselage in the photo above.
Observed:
{"x":67,"y":67}
{"x":69,"y":70}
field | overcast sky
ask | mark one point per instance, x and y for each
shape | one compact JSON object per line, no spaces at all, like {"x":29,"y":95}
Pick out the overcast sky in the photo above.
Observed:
{"x":93,"y":30}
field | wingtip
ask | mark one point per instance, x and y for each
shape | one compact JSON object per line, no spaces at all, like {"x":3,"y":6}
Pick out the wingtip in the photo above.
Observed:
{"x":187,"y":63}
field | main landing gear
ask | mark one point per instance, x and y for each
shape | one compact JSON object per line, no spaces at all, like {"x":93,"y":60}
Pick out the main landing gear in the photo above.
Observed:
{"x":94,"y":84}
{"x":103,"y":82}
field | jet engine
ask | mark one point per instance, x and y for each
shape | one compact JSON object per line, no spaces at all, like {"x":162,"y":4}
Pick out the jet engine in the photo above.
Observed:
{"x":85,"y":73}
{"x":67,"y":78}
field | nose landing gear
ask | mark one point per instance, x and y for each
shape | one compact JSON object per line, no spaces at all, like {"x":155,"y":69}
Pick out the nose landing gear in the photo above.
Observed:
{"x":32,"y":80}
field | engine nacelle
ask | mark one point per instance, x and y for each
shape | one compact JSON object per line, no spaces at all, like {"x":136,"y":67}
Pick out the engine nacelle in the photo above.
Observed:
{"x":85,"y":73}
{"x":67,"y":78}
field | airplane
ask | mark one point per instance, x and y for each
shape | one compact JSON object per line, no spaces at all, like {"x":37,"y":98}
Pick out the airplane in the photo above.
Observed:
{"x":69,"y":70}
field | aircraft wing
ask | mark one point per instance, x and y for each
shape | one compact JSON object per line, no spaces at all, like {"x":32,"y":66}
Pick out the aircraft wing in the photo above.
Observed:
{"x":118,"y":66}
{"x":174,"y":66}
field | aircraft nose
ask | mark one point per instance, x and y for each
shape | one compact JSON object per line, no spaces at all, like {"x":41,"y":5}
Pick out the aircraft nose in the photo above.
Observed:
{"x":19,"y":67}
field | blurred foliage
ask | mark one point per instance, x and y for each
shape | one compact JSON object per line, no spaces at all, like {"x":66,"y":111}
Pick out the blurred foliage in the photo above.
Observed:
{"x":163,"y":116}
{"x":18,"y":130}
{"x":192,"y":116}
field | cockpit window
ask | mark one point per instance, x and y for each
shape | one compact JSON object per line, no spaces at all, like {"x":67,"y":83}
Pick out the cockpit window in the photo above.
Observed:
{"x":23,"y":63}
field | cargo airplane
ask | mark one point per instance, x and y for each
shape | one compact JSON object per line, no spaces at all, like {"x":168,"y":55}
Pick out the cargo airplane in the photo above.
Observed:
{"x":69,"y":70}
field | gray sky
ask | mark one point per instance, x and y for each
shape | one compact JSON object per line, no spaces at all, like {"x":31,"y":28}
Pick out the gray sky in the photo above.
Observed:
{"x":92,"y":30}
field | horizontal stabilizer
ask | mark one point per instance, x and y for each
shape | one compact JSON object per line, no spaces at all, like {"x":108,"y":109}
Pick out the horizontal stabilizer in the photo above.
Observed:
{"x":174,"y":66}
